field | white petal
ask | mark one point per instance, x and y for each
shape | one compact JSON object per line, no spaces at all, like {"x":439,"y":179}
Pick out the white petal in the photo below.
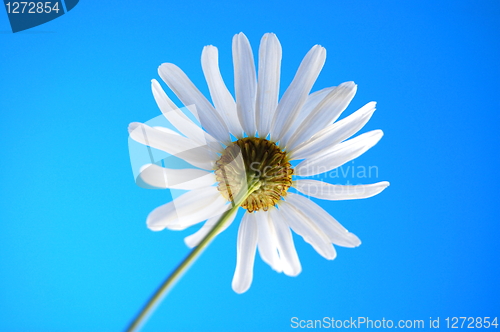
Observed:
{"x":295,"y":96}
{"x":311,"y":102}
{"x":165,"y":104}
{"x":245,"y":82}
{"x":179,"y":120}
{"x":160,"y":128}
{"x":221,"y":97}
{"x":337,"y":155}
{"x":323,"y":190}
{"x":335,"y":232}
{"x":267,"y":242}
{"x":302,"y":225}
{"x":194,"y":239}
{"x":185,"y":179}
{"x":247,"y":243}
{"x":176,"y":145}
{"x":187,"y":92}
{"x":325,"y":113}
{"x":288,"y":255}
{"x":187,"y":210}
{"x":334,"y":133}
{"x":268,"y":82}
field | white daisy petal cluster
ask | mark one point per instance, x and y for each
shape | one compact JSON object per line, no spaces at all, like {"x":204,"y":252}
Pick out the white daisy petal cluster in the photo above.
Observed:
{"x":269,"y":134}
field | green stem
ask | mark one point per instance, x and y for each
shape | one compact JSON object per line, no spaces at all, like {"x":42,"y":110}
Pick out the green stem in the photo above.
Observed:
{"x":160,"y":293}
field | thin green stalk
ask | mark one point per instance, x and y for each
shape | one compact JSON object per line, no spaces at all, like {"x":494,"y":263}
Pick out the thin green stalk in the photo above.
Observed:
{"x":160,"y":293}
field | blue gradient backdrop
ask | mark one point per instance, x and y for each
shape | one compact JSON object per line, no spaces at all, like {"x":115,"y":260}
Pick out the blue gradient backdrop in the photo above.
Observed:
{"x":75,"y":254}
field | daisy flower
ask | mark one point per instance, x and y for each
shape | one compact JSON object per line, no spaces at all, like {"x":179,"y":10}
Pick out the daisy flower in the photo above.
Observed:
{"x":241,"y":156}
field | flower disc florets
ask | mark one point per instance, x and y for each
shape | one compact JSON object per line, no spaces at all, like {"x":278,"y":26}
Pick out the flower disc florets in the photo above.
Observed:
{"x":257,"y":163}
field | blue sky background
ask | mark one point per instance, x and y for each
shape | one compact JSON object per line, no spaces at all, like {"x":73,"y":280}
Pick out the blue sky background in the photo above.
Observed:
{"x":75,"y":253}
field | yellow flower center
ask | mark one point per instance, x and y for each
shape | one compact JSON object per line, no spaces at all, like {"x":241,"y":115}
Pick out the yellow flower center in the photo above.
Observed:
{"x":255,"y":162}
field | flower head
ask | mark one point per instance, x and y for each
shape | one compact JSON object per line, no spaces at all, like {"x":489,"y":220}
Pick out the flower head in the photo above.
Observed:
{"x":242,"y":153}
